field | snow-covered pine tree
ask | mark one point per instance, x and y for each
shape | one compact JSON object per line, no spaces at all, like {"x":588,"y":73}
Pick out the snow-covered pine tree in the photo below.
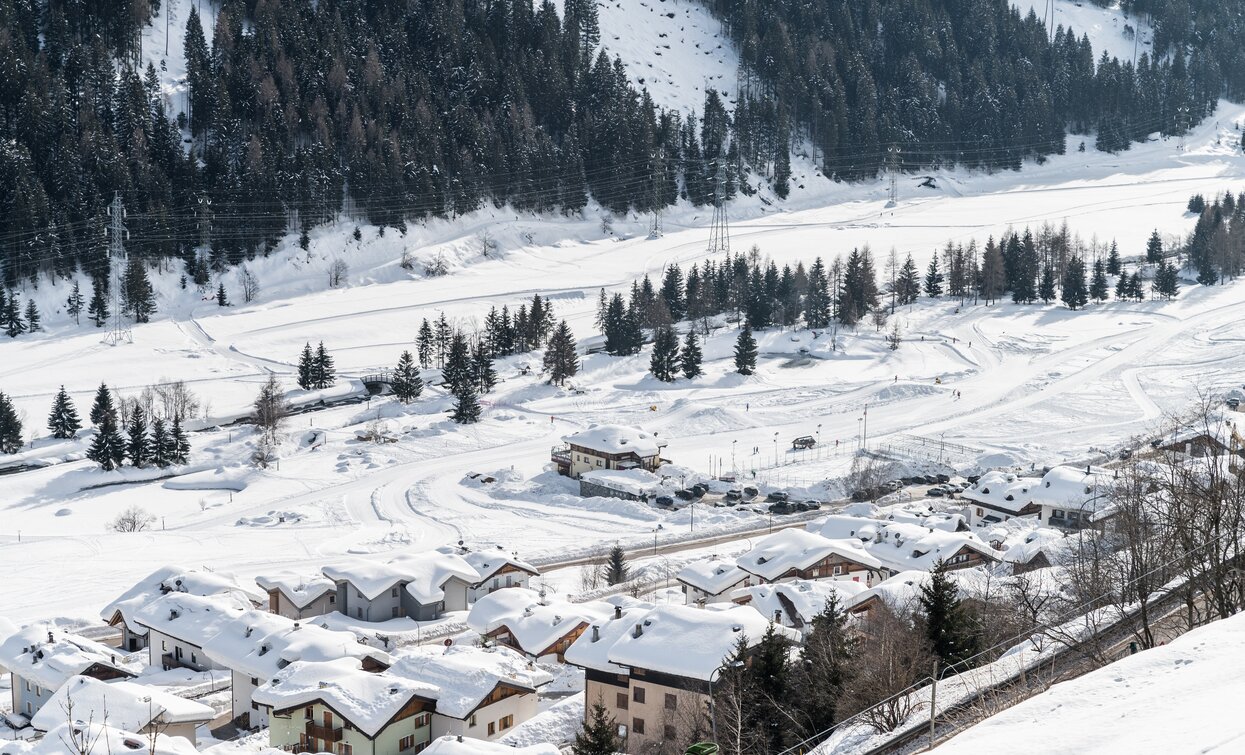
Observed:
{"x":1099,"y":290}
{"x":323,"y":373}
{"x":63,"y":420}
{"x":482,"y":372}
{"x":1121,"y":287}
{"x":108,"y":447}
{"x":75,"y":303}
{"x":908,"y":284}
{"x":442,"y":337}
{"x":162,"y":448}
{"x":10,"y":427}
{"x":181,"y":444}
{"x":745,"y":352}
{"x":466,"y":405}
{"x":561,"y":360}
{"x":1073,"y":292}
{"x":949,"y":627}
{"x":424,"y":345}
{"x":306,"y":367}
{"x":817,"y":301}
{"x":139,"y":297}
{"x":933,"y":279}
{"x":1154,"y":248}
{"x":222,"y":298}
{"x":137,"y":446}
{"x":15,"y":325}
{"x":1113,"y":259}
{"x":691,"y":357}
{"x":34,"y":322}
{"x":1046,"y":288}
{"x":98,"y":310}
{"x":103,"y":405}
{"x":407,"y":384}
{"x":457,"y":371}
{"x":1135,"y":289}
{"x":664,"y":363}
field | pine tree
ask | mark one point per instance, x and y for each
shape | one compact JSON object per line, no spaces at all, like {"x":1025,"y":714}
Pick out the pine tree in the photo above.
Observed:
{"x":824,"y":668}
{"x":108,"y":447}
{"x":933,"y":279}
{"x":139,"y":296}
{"x":466,"y":405}
{"x":1167,"y":280}
{"x":222,"y":299}
{"x":615,"y":570}
{"x":442,"y":338}
{"x":1121,"y":287}
{"x":951,"y":631}
{"x":1099,"y":289}
{"x":664,"y":363}
{"x":137,"y":447}
{"x":180,"y":443}
{"x":1114,"y":266}
{"x":1073,"y":292}
{"x":457,"y":371}
{"x":63,"y":420}
{"x":407,"y":384}
{"x":691,"y":357}
{"x":1154,"y":248}
{"x":599,"y":735}
{"x":817,"y":301}
{"x":908,"y":285}
{"x":745,"y":352}
{"x":13,"y":316}
{"x":162,"y":447}
{"x":98,"y":310}
{"x":561,"y":360}
{"x":424,"y":345}
{"x":10,"y":427}
{"x":323,"y":373}
{"x":1046,"y":287}
{"x":74,"y":304}
{"x":33,"y":321}
{"x":1135,"y":289}
{"x":306,"y":367}
{"x":483,"y":374}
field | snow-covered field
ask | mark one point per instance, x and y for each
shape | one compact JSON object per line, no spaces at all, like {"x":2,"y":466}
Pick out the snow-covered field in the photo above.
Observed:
{"x":1038,"y":384}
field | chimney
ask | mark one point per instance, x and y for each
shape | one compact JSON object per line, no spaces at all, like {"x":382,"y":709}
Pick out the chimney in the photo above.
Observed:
{"x":50,"y":640}
{"x":639,"y":630}
{"x":617,"y":612}
{"x":596,"y":633}
{"x":296,"y":626}
{"x":777,"y":617}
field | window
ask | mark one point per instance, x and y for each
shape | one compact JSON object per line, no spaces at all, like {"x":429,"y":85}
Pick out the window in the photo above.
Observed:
{"x":496,"y":583}
{"x":670,"y":732}
{"x":394,"y":611}
{"x":622,"y":701}
{"x":637,"y":694}
{"x":471,"y":721}
{"x":193,"y":659}
{"x":598,"y":462}
{"x":344,"y":749}
{"x":254,"y":705}
{"x":27,"y":685}
{"x":406,"y":743}
{"x":492,"y":728}
{"x":164,"y":645}
{"x":637,"y":725}
{"x":254,"y":681}
{"x":506,"y":722}
{"x":358,"y":612}
{"x":332,"y":599}
{"x":309,"y":713}
{"x":838,"y":569}
{"x":358,"y":595}
{"x":393,"y":593}
{"x":672,"y":702}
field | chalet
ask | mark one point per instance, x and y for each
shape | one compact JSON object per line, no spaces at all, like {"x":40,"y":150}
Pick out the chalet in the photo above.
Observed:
{"x":607,"y":447}
{"x":128,"y":705}
{"x":904,"y":547}
{"x":497,"y":570}
{"x":1037,"y":549}
{"x":653,"y":671}
{"x":103,"y":738}
{"x":711,"y":581}
{"x":41,"y":659}
{"x":530,"y":623}
{"x":256,"y":645}
{"x":627,"y":484}
{"x":296,"y":596}
{"x":796,"y":603}
{"x":1070,"y":497}
{"x":1000,"y":496}
{"x":1215,"y":439}
{"x":178,"y":625}
{"x":422,"y":586}
{"x":797,"y":554}
{"x":481,"y":693}
{"x":338,"y":707}
{"x":170,"y":579}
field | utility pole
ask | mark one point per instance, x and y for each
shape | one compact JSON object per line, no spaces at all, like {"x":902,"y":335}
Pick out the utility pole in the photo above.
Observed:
{"x":892,"y":163}
{"x":205,"y":223}
{"x":719,"y":232}
{"x":659,"y":172}
{"x":117,"y":234}
{"x":1182,"y":121}
{"x":933,"y":705}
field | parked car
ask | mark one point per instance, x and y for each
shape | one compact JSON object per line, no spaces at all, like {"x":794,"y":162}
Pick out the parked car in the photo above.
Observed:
{"x":777,"y":495}
{"x":750,"y":492}
{"x":1234,"y":403}
{"x":803,"y":442}
{"x":684,"y":495}
{"x":812,"y":505}
{"x":733,"y":495}
{"x":782,"y":507}
{"x":930,"y":479}
{"x":935,"y":492}
{"x":699,"y":489}
{"x":943,"y":478}
{"x":973,"y":478}
{"x":860,"y":495}
{"x":665,"y":501}
{"x":1126,"y":454}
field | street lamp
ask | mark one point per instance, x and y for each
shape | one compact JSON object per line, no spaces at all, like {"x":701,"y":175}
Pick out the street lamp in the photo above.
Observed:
{"x":713,"y":710}
{"x":733,"y":442}
{"x":775,"y":448}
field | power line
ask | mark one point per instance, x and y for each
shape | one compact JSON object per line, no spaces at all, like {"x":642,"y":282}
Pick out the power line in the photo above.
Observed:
{"x":117,"y":234}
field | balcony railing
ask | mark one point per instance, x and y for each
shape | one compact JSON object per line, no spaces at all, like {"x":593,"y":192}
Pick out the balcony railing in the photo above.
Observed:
{"x":169,"y":661}
{"x":561,"y":455}
{"x":323,"y":733}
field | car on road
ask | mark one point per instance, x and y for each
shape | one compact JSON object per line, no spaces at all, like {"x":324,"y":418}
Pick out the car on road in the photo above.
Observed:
{"x":777,"y":495}
{"x":936,"y":492}
{"x":812,"y":505}
{"x":1234,"y":403}
{"x":930,"y":479}
{"x":781,"y":507}
{"x":664,"y":501}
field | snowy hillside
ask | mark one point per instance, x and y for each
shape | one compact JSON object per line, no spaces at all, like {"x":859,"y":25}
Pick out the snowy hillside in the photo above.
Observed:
{"x":1178,"y":698}
{"x":1110,"y":29}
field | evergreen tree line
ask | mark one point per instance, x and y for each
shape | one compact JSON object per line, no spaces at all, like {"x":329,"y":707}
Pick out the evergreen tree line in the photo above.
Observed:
{"x":1216,"y":250}
{"x":139,"y":439}
{"x":966,"y":81}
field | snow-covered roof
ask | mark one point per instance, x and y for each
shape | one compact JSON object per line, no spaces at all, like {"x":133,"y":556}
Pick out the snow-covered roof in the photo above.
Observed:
{"x":299,"y":589}
{"x":689,"y":642}
{"x":712,"y":576}
{"x":106,"y":739}
{"x":42,"y":654}
{"x":465,"y":676}
{"x":793,"y":548}
{"x":840,"y":527}
{"x":451,"y":745}
{"x":592,"y":648}
{"x":489,"y":561}
{"x":1074,"y":488}
{"x":424,"y":574}
{"x":260,"y":644}
{"x":1022,"y":550}
{"x":190,"y":618}
{"x":902,"y":546}
{"x":616,"y":439}
{"x":367,"y":700}
{"x":806,"y":598}
{"x":634,"y":481}
{"x":127,"y":705}
{"x":534,"y":622}
{"x":177,"y":579}
{"x":1002,"y":491}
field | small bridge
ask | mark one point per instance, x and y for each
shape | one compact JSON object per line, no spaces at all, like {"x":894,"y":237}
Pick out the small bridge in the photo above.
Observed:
{"x":377,"y":380}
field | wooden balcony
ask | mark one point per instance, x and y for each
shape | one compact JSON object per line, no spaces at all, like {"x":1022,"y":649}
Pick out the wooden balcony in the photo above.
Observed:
{"x":323,"y":733}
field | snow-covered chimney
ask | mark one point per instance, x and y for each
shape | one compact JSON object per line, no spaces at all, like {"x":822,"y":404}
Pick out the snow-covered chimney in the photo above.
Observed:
{"x":639,"y":630}
{"x":296,"y":626}
{"x":617,"y":612}
{"x":777,"y":617}
{"x":596,"y":633}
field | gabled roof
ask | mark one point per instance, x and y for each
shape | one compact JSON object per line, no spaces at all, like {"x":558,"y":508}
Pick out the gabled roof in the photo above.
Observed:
{"x":425,"y":574}
{"x":1074,"y":488}
{"x":176,"y":579}
{"x":367,"y":700}
{"x":260,"y":644}
{"x":714,"y":576}
{"x":127,"y":705}
{"x":798,"y":601}
{"x":489,"y":561}
{"x":190,"y":618}
{"x":904,"y":547}
{"x":534,"y":622}
{"x":301,"y":590}
{"x":689,"y":642}
{"x":43,"y":654}
{"x":591,"y":650}
{"x":790,"y":549}
{"x":617,"y":439}
{"x":1002,"y":491}
{"x":107,"y":739}
{"x":465,"y":676}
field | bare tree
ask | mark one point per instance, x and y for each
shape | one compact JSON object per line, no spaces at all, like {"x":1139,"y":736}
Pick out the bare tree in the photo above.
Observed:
{"x":177,"y":401}
{"x":79,"y":737}
{"x":338,"y":272}
{"x":250,"y":284}
{"x":269,"y":412}
{"x":894,"y":336}
{"x":133,"y":519}
{"x":894,"y":655}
